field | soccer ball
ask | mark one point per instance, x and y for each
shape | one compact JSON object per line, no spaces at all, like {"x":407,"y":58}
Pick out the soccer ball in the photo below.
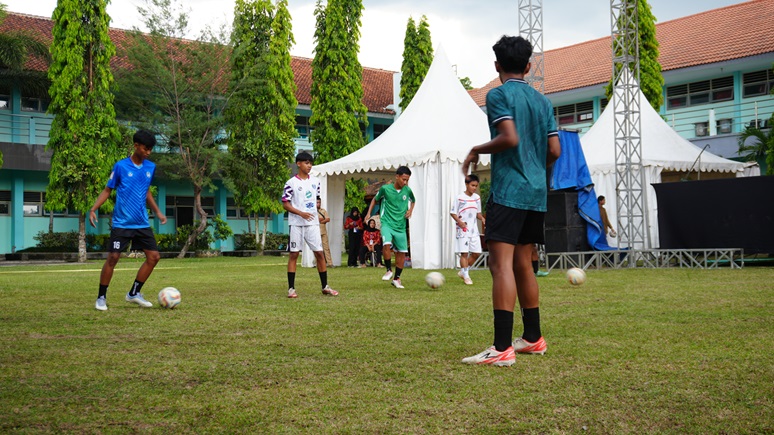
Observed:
{"x":434,"y":279}
{"x":576,"y":276}
{"x":169,"y":297}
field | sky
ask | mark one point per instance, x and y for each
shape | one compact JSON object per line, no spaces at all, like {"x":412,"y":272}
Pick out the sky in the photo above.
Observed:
{"x":464,"y":28}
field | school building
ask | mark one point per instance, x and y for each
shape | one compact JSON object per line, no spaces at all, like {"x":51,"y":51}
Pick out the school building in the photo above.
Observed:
{"x":717,"y":67}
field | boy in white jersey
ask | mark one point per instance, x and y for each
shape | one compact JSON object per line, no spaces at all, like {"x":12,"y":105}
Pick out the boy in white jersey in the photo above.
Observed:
{"x":465,"y":210}
{"x":299,"y":198}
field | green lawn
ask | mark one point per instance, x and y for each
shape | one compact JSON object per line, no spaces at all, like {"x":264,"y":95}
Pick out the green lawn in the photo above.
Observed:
{"x":630,"y":351}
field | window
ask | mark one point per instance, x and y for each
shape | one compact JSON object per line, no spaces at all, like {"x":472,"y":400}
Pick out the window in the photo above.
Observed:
{"x":33,"y":203}
{"x":302,"y":126}
{"x":174,"y":202}
{"x":575,"y":113}
{"x":5,"y":99}
{"x":29,"y":104}
{"x":234,"y":212}
{"x":758,"y":83}
{"x":698,"y":93}
{"x":379,"y":129}
{"x":5,"y":202}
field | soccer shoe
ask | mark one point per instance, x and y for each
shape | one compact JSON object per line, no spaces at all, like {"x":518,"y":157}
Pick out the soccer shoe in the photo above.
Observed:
{"x":491,"y":356}
{"x":461,"y":274}
{"x":329,"y":291}
{"x":541,"y":274}
{"x":101,"y":304}
{"x":397,"y":284}
{"x":292,"y":293}
{"x":467,"y":280}
{"x":139,"y":300}
{"x":387,"y":276}
{"x":521,"y":345}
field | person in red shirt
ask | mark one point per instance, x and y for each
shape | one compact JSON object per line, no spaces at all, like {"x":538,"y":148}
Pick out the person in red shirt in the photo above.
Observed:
{"x":372,"y":245}
{"x":354,"y":224}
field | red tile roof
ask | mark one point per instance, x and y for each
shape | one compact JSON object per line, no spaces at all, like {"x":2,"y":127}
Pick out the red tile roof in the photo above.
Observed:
{"x":377,"y":83}
{"x":731,"y":32}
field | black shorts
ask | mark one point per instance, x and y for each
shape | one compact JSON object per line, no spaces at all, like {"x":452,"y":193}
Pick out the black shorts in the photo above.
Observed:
{"x":141,"y":238}
{"x":513,"y":225}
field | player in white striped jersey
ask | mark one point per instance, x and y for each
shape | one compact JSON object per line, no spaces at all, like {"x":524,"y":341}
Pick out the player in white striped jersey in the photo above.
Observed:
{"x":465,"y":210}
{"x":299,"y":198}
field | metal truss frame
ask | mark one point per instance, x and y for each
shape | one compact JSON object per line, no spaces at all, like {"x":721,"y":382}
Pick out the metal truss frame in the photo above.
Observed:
{"x":531,"y":29}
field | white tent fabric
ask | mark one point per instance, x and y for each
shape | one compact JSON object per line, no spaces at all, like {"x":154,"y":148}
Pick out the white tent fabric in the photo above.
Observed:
{"x":662,"y":149}
{"x":432,"y":137}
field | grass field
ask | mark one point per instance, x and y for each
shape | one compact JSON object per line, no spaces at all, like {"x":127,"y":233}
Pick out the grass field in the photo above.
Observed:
{"x":630,"y":351}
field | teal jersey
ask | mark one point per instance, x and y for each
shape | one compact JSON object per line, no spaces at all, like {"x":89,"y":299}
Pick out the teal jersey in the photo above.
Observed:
{"x":519,"y":173}
{"x":394,"y":205}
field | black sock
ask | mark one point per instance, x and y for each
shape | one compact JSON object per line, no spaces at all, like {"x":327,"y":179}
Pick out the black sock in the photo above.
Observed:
{"x":531,"y":319}
{"x":398,"y":271}
{"x":291,"y":280}
{"x":503,"y":329}
{"x":102,"y":291}
{"x":535,"y":266}
{"x":324,"y":278}
{"x":388,"y":263}
{"x":136,"y":287}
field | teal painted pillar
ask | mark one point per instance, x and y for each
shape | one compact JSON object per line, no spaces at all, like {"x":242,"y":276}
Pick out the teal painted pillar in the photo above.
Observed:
{"x":220,"y":208}
{"x":597,"y":107}
{"x":161,"y":201}
{"x":737,"y":125}
{"x":15,"y":110}
{"x":17,"y":213}
{"x":277,"y":223}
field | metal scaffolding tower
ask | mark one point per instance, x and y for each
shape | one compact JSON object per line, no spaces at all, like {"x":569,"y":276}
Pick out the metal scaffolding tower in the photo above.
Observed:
{"x":630,"y":196}
{"x":531,"y":29}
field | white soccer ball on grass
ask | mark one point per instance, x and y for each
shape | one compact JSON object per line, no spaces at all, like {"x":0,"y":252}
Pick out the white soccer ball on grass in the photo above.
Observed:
{"x":576,"y":276}
{"x":169,"y":297}
{"x":434,"y":279}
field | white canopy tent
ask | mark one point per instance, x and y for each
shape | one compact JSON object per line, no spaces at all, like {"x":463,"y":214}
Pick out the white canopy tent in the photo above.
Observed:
{"x":432,"y":137}
{"x":662,"y":150}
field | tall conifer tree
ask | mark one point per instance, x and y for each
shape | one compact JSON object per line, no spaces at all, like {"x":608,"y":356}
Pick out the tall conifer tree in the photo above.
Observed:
{"x":261,"y":113}
{"x":417,"y":58}
{"x":84,"y":135}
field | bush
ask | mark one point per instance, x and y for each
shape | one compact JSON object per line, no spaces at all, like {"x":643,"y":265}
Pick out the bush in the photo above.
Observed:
{"x":68,"y":242}
{"x":276,"y":242}
{"x":245,"y":242}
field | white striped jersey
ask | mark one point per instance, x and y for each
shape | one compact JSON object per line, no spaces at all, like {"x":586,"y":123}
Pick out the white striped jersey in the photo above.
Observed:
{"x":302,"y":195}
{"x":467,"y":209}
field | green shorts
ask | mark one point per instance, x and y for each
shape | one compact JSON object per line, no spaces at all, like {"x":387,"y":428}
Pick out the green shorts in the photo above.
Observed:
{"x":397,"y":239}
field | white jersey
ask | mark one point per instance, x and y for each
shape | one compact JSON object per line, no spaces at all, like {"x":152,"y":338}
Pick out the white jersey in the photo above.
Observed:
{"x":467,"y":209}
{"x":302,"y":195}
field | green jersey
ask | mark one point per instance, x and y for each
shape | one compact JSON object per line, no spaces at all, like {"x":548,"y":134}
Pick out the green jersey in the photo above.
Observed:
{"x":394,"y":205}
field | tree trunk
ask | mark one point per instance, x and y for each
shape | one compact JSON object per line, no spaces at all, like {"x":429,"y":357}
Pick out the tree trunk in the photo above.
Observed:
{"x":263,"y":236}
{"x":202,"y":222}
{"x":82,"y":238}
{"x":51,"y":221}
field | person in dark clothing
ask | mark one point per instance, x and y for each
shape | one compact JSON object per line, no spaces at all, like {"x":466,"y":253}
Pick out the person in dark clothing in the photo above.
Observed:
{"x":354,"y":224}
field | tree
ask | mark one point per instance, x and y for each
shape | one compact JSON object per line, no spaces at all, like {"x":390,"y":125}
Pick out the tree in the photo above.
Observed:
{"x":176,"y":87}
{"x":417,"y":58}
{"x":651,"y":80}
{"x":466,"y":83}
{"x":761,"y":147}
{"x":84,"y":135}
{"x":261,"y":113}
{"x":337,"y":105}
{"x":15,"y":49}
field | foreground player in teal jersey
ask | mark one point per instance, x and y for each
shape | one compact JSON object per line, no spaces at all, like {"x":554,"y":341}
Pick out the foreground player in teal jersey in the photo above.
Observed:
{"x":524,"y":141}
{"x":131,"y":177}
{"x":397,"y":203}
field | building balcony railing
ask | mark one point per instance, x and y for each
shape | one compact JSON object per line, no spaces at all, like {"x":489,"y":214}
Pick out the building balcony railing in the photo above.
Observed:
{"x":25,"y":128}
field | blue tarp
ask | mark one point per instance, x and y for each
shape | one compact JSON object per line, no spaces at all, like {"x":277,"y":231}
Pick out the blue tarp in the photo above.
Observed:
{"x":571,"y":172}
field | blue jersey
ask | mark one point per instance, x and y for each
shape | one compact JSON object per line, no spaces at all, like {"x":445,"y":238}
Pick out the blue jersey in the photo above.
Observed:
{"x":131,"y":183}
{"x":519,"y":173}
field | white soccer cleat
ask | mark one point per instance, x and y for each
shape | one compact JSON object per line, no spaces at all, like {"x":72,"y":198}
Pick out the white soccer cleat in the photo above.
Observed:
{"x":292,"y":293}
{"x":139,"y":300}
{"x":101,"y":304}
{"x":387,"y":276}
{"x":493,"y":357}
{"x":329,"y":291}
{"x":397,"y":284}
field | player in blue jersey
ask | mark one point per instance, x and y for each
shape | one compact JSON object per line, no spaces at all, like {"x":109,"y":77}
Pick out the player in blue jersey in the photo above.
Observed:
{"x":524,"y":141}
{"x":131,"y":178}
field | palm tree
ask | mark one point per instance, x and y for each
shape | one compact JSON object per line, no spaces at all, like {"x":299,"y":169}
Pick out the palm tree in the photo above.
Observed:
{"x":761,"y":147}
{"x":15,"y":49}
